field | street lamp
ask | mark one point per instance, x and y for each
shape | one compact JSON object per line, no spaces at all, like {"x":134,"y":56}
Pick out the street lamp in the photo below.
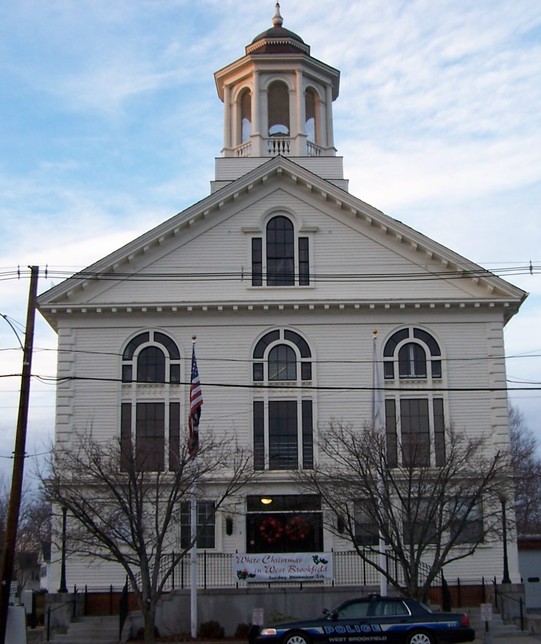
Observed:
{"x":505,"y":579}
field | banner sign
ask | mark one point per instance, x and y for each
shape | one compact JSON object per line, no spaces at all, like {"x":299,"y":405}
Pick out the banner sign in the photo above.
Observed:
{"x":307,"y":566}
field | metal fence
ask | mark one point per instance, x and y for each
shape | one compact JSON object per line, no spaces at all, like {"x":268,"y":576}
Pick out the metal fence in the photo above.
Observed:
{"x":215,"y":570}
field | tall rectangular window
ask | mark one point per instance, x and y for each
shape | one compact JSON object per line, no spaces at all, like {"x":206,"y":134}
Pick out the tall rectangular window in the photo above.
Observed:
{"x":283,"y":451}
{"x":257,"y":261}
{"x":150,"y":436}
{"x":283,"y":435}
{"x":390,"y":432}
{"x":415,"y":430}
{"x":439,"y":432}
{"x":304,"y":262}
{"x":174,"y":435}
{"x":411,"y":433}
{"x":259,"y":435}
{"x":126,"y":453}
{"x":307,"y":435}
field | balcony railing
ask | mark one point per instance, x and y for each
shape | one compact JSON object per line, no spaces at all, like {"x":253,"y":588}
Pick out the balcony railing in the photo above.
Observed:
{"x":277,"y":145}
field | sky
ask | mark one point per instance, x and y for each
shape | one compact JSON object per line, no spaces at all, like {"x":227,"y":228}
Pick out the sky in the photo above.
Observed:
{"x":110,"y":123}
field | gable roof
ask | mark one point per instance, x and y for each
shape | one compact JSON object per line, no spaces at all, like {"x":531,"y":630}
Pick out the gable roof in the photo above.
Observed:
{"x":495,"y":290}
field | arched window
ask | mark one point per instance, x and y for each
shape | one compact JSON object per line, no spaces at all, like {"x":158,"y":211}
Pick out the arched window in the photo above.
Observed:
{"x":148,"y":355}
{"x":286,"y":255}
{"x":282,"y":363}
{"x":151,"y":365}
{"x":245,"y":116}
{"x":411,"y":361}
{"x":415,"y":352}
{"x":278,"y":109}
{"x":283,"y":419}
{"x":150,"y":408}
{"x":310,"y":125}
{"x":415,"y":423}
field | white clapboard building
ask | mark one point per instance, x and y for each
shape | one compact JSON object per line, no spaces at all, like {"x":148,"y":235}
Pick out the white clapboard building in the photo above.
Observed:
{"x":282,"y":275}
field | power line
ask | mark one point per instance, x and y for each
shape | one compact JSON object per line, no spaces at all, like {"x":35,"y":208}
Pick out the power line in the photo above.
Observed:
{"x":241,"y":274}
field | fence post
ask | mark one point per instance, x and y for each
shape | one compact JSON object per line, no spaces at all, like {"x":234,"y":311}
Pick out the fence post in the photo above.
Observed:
{"x":205,"y":569}
{"x":459,"y":591}
{"x":495,"y":584}
{"x":174,"y":570}
{"x":111,"y":599}
{"x":48,"y":624}
{"x":483,"y":591}
{"x":74,"y":603}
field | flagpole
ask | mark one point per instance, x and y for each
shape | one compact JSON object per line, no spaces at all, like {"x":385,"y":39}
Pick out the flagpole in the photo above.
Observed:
{"x":377,"y":424}
{"x":193,"y":422}
{"x":193,"y":554}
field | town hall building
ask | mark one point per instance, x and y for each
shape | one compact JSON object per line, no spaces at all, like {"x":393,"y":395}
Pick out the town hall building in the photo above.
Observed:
{"x":283,"y":276}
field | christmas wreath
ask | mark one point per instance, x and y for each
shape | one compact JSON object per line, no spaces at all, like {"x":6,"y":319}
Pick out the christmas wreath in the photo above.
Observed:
{"x":271,"y":530}
{"x":297,"y":529}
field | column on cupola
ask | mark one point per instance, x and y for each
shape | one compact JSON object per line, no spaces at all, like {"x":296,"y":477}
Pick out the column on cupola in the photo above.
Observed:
{"x":256,"y":115}
{"x":264,"y":116}
{"x":301,"y":114}
{"x":229,"y":121}
{"x":328,"y":115}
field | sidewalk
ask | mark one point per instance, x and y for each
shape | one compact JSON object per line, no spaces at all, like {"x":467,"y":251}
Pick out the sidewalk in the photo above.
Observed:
{"x":517,"y":638}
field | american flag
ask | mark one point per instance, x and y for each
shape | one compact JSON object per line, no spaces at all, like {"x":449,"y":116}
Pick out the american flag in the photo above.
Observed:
{"x":196,"y":400}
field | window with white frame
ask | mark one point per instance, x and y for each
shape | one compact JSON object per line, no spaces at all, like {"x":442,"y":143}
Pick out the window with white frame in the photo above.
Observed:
{"x":414,"y":419}
{"x":206,"y":524}
{"x":419,"y":521}
{"x":466,"y":520}
{"x":281,"y":256}
{"x":150,"y":406}
{"x":282,"y":417}
{"x":366,"y":527}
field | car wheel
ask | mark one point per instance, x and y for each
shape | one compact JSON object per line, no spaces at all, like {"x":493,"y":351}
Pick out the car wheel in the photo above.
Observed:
{"x":296,"y":637}
{"x":420,"y":637}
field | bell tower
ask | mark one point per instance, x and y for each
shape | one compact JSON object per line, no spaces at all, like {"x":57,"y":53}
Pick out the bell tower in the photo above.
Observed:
{"x":278,"y":101}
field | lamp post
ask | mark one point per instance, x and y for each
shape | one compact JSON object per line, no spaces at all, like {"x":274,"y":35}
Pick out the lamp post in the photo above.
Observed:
{"x":505,"y":579}
{"x":63,"y":586}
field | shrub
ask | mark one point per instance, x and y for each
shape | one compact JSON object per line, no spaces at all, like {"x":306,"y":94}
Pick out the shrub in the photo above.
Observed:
{"x":211,"y":629}
{"x":242,"y":631}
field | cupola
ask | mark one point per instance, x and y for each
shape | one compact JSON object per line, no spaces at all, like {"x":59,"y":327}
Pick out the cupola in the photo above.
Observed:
{"x":277,"y":101}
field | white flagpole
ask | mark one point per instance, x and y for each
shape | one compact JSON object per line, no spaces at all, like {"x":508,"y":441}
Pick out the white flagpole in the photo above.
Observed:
{"x":193,"y":525}
{"x":193,"y":554}
{"x":377,"y":425}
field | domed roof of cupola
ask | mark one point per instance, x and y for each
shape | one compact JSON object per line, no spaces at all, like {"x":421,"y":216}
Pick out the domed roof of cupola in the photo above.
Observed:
{"x":277,"y":39}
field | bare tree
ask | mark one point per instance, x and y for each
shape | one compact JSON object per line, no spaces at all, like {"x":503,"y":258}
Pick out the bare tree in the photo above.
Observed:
{"x":526,"y":469}
{"x":427,"y":516}
{"x":121,"y":511}
{"x":33,"y":532}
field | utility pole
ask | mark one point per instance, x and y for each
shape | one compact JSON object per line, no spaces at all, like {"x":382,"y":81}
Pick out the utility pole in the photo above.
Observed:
{"x":8,"y":553}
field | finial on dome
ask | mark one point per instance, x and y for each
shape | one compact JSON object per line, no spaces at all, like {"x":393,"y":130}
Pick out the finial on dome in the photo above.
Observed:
{"x":277,"y":20}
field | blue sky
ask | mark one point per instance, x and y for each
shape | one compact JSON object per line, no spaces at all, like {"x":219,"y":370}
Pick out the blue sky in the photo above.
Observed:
{"x":110,"y":123}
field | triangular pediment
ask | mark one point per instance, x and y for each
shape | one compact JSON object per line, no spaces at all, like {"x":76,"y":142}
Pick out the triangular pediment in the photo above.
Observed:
{"x":200,"y":256}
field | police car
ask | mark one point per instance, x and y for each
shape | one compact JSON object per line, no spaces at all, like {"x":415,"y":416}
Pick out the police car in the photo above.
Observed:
{"x":373,"y":619}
